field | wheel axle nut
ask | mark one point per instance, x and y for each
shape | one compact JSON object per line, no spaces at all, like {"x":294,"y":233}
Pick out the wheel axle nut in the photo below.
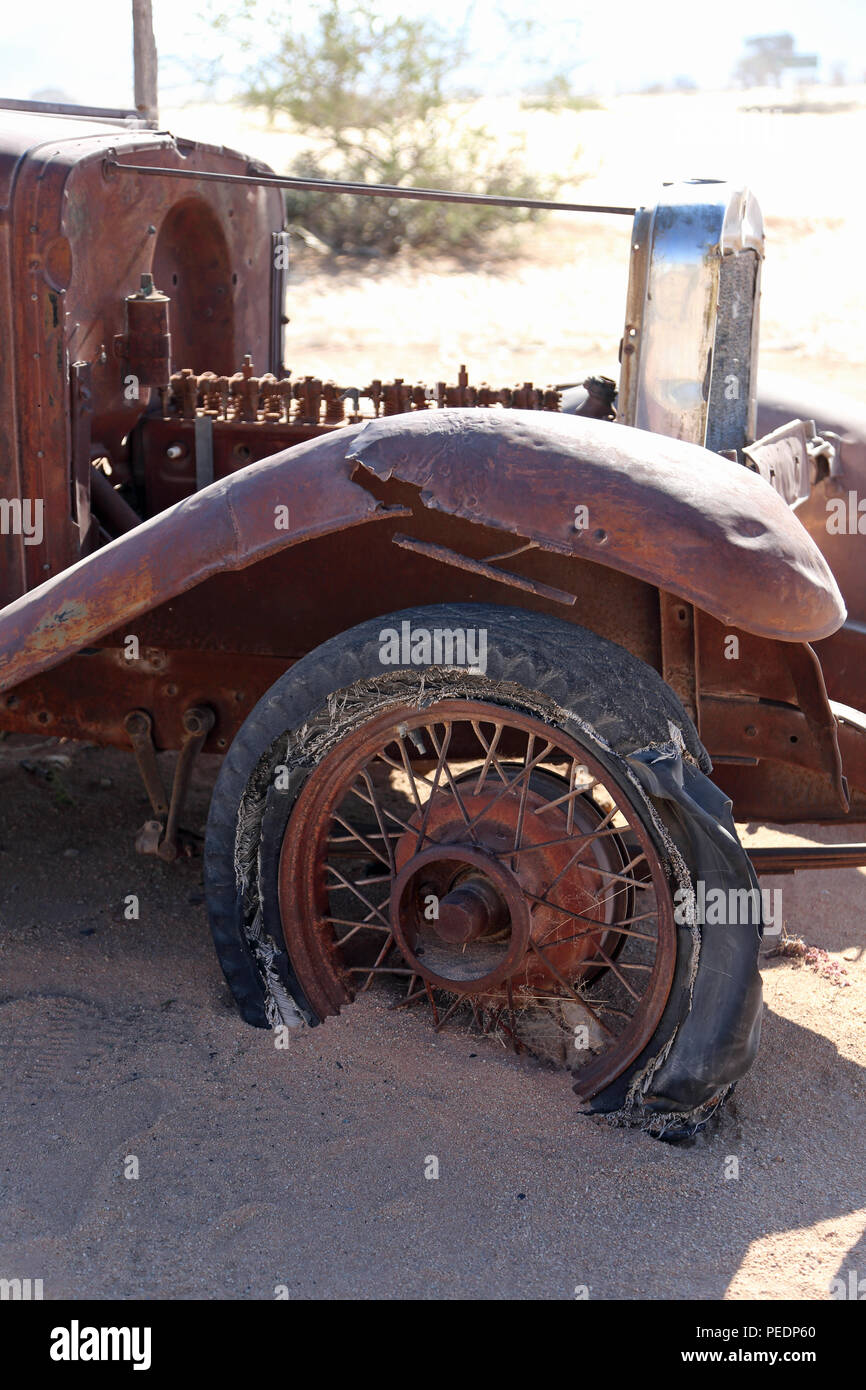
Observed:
{"x":472,"y":909}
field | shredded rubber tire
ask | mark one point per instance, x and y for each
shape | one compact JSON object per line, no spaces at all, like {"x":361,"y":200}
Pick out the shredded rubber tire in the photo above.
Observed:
{"x":586,"y":686}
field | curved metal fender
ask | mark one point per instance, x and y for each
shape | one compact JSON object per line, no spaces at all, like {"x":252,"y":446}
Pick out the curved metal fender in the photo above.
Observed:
{"x":664,"y":511}
{"x":226,"y":526}
{"x":660,"y":509}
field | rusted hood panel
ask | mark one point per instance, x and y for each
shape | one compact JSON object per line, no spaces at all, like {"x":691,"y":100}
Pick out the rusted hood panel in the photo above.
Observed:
{"x":665,"y":511}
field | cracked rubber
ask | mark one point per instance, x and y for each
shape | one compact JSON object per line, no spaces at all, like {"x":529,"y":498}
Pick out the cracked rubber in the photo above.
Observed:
{"x":627,"y":717}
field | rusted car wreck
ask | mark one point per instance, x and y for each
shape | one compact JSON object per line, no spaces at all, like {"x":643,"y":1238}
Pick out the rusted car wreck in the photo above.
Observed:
{"x":471,"y":653}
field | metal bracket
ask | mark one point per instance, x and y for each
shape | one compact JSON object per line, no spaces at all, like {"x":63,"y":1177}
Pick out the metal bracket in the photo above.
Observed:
{"x":679,"y":652}
{"x":139,"y":726}
{"x":162,"y":835}
{"x":466,"y":562}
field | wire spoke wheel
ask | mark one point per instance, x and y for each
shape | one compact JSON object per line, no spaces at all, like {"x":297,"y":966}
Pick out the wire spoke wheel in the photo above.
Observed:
{"x":516,"y":848}
{"x":474,"y":862}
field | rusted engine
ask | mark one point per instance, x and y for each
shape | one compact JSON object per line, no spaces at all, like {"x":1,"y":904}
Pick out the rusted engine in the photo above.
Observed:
{"x":208,"y":425}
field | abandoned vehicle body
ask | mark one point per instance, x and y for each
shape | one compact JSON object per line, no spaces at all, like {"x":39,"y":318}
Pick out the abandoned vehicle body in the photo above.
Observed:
{"x":493,"y":669}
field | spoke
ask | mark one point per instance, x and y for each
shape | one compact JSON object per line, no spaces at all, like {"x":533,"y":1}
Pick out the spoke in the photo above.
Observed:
{"x":449,"y":1011}
{"x":409,"y":999}
{"x":572,"y":786}
{"x":366,"y":925}
{"x":377,"y":970}
{"x":623,"y":878}
{"x":569,"y":912}
{"x":399,"y":767}
{"x":443,"y":753}
{"x":609,"y":873}
{"x":625,"y":984}
{"x":564,"y":840}
{"x":521,"y":810}
{"x":513,"y":1029}
{"x":350,"y":839}
{"x":432,"y":1003}
{"x":602,"y":927}
{"x":512,"y":783}
{"x":537,"y":998}
{"x":595,"y":902}
{"x":600,"y":903}
{"x":568,"y":796}
{"x":551,"y":968}
{"x":629,"y":921}
{"x":609,"y":1009}
{"x":368,"y":782}
{"x":603,"y":903}
{"x":371,"y":907}
{"x":410,"y":830}
{"x":359,"y":926}
{"x":410,"y":773}
{"x":353,"y":791}
{"x":451,"y":783}
{"x":362,"y":839}
{"x":586,"y":840}
{"x":490,"y":754}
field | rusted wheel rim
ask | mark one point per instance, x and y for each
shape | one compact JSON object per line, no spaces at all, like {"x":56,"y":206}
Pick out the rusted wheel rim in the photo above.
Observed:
{"x":469,"y":853}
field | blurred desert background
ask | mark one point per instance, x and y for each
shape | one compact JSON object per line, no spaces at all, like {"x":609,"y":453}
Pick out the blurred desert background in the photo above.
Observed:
{"x":545,"y":302}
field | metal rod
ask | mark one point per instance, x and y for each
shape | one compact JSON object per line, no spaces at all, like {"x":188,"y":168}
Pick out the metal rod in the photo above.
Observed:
{"x":465,"y":562}
{"x":370,"y":190}
{"x":65,"y":108}
{"x":784,"y":860}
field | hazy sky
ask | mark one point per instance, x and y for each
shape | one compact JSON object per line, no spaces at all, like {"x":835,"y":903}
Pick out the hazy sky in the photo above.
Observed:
{"x":84,"y":46}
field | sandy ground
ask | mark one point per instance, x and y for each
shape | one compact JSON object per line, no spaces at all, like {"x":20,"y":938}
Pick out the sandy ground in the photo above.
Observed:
{"x":305,"y":1168}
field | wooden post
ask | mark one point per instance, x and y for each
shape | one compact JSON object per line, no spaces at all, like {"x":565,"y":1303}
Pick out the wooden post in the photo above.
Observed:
{"x":144,"y":60}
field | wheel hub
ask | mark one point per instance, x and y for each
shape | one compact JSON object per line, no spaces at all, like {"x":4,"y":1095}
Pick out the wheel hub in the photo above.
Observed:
{"x":473,"y":937}
{"x":471,"y":910}
{"x":466,"y":889}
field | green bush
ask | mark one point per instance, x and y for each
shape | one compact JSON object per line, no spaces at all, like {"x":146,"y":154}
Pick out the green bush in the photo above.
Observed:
{"x":359,"y":225}
{"x":372,"y":95}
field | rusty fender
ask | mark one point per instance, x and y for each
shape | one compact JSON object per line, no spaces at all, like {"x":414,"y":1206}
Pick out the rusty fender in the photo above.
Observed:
{"x":226,"y":526}
{"x":667,"y":512}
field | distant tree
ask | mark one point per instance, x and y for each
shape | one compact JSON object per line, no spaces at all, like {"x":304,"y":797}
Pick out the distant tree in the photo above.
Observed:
{"x":376,"y":97}
{"x":768,"y":57}
{"x":557,"y":93}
